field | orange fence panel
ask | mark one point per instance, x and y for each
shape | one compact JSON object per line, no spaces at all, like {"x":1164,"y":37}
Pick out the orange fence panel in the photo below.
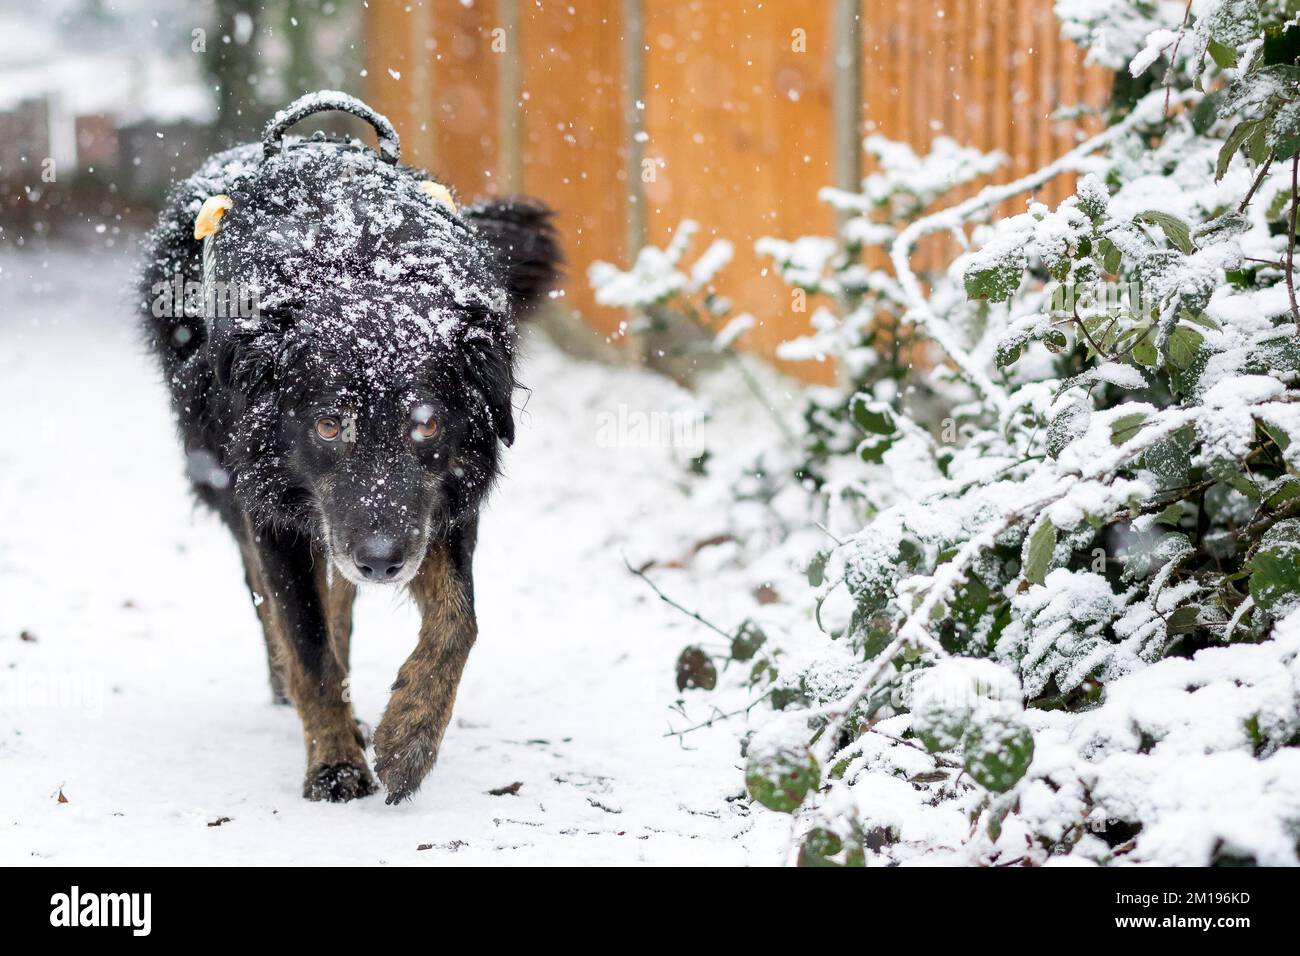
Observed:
{"x":630,"y":115}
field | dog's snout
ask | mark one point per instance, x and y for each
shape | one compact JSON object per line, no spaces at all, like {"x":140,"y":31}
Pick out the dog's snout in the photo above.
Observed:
{"x":379,"y":557}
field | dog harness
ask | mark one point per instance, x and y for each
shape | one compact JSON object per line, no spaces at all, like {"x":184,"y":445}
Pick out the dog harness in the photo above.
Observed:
{"x":208,"y":222}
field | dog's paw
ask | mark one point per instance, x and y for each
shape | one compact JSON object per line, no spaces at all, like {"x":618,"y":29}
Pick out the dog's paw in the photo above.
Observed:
{"x":401,"y":764}
{"x":338,"y":782}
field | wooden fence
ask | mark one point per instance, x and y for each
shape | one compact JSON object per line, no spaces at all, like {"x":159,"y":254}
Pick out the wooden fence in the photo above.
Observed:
{"x":630,"y":115}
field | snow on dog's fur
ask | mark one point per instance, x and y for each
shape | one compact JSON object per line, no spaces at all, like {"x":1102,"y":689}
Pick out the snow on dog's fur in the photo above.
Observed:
{"x":349,"y":421}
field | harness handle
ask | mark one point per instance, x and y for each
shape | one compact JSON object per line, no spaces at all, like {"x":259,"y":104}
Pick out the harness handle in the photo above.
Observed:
{"x":390,"y":149}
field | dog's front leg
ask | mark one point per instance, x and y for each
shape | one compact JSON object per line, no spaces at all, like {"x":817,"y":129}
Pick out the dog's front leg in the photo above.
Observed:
{"x":336,"y":762}
{"x":408,"y":737}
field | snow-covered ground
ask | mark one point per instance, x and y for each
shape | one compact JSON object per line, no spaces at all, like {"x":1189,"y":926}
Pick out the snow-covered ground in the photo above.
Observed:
{"x":132,"y":676}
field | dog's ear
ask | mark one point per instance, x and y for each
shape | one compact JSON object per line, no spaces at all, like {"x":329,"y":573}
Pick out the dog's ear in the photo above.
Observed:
{"x":523,"y":242}
{"x":491,"y":375}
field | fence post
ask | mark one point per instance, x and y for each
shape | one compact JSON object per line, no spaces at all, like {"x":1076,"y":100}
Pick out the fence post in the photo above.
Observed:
{"x":509,"y":151}
{"x":847,"y":111}
{"x":633,"y":122}
{"x":420,"y":133}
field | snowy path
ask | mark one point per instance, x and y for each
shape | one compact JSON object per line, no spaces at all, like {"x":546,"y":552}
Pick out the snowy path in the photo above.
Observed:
{"x":132,"y":676}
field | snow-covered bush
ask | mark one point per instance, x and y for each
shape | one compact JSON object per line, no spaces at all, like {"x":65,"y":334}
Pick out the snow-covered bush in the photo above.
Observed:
{"x":856,"y":309}
{"x":1071,"y":625}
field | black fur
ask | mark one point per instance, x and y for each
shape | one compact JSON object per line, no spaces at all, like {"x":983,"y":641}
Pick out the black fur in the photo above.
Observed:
{"x":241,"y":394}
{"x":373,"y":304}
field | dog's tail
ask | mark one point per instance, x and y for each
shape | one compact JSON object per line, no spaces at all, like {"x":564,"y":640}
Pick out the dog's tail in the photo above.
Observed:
{"x":522,"y":234}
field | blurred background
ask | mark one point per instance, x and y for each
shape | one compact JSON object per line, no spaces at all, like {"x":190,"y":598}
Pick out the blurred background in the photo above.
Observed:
{"x":627,"y":116}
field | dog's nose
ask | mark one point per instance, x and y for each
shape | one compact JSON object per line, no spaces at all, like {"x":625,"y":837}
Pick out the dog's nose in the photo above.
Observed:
{"x":379,"y":557}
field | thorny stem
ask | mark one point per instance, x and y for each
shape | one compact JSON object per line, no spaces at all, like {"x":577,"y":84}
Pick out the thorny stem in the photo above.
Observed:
{"x":718,"y":717}
{"x":1290,"y":245}
{"x":673,"y":604}
{"x":757,"y":389}
{"x":752,"y":383}
{"x":1088,"y":335}
{"x":914,"y":633}
{"x":1173,"y":56}
{"x":1263,"y":171}
{"x":919,"y":311}
{"x":1255,"y":530}
{"x":1136,"y":342}
{"x":902,"y":742}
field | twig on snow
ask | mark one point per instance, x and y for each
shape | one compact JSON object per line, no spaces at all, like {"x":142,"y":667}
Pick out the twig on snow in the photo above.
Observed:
{"x":693,"y":615}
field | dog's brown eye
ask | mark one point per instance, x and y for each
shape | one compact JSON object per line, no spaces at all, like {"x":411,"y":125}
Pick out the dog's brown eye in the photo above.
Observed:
{"x":329,"y":428}
{"x":424,"y":430}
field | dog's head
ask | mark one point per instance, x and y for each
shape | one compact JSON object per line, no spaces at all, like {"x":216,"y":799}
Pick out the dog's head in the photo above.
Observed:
{"x":372,"y":386}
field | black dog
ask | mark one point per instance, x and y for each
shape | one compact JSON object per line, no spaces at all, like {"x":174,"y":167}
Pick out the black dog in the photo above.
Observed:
{"x":340,"y":356}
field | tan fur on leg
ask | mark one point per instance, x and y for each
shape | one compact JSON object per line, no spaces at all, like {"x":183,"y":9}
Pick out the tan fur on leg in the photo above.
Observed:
{"x":408,"y":738}
{"x":257,"y":587}
{"x":336,"y":760}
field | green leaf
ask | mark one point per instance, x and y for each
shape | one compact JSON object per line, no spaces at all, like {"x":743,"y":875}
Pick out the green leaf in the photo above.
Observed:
{"x":1176,"y":231}
{"x":1147,"y":554}
{"x":748,"y":639}
{"x":1170,"y":459}
{"x":872,"y":450}
{"x":1232,"y":144}
{"x":780,"y":778}
{"x":1224,"y":56}
{"x":1184,"y":620}
{"x":1245,"y":486}
{"x":1145,"y":354}
{"x":1233,"y":23}
{"x":1257,"y":145}
{"x":1172,"y":515}
{"x":872,"y":416}
{"x":996,"y":282}
{"x":695,"y":669}
{"x":1258,"y":87}
{"x":1205,"y":113}
{"x":820,"y":848}
{"x":1111,"y":257}
{"x":1275,"y":569}
{"x":1279,"y":437}
{"x":1008,"y":351}
{"x":1055,"y":341}
{"x":1182,"y":346}
{"x":1069,"y":424}
{"x":763,"y":670}
{"x":877,"y":636}
{"x":939,"y":729}
{"x":1286,"y":489}
{"x":997,"y":752}
{"x":1284,"y":137}
{"x":817,"y":568}
{"x":1126,"y":426}
{"x":1281,"y":45}
{"x":1040,"y":545}
{"x":1203,"y":320}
